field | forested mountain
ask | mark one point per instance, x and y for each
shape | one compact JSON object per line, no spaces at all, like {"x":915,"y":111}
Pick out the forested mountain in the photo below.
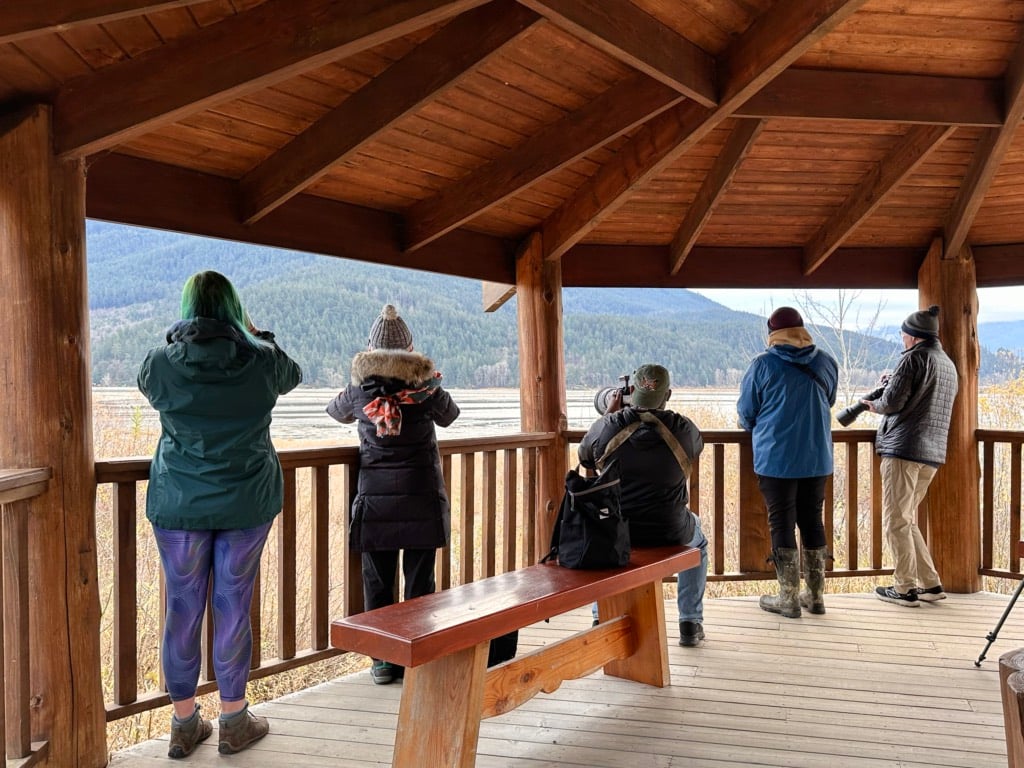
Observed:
{"x":321,"y":310}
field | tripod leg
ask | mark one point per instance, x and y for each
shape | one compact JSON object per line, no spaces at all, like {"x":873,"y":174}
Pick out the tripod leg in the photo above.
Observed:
{"x":991,"y":636}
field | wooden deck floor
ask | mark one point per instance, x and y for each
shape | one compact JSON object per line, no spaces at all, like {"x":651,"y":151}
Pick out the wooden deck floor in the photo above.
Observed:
{"x":865,"y":686}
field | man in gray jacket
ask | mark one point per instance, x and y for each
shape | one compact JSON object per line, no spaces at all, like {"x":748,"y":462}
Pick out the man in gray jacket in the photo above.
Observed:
{"x":917,"y":404}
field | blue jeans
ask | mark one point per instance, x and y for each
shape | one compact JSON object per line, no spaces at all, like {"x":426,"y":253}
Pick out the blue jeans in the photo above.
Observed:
{"x":691,"y":582}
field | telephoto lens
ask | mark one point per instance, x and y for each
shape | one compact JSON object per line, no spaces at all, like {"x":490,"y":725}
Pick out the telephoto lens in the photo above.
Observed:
{"x":848,"y":415}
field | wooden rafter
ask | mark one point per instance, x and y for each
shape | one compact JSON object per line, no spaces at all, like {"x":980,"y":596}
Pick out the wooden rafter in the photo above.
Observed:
{"x":771,"y":44}
{"x":454,"y":52}
{"x":992,"y":148}
{"x":728,"y":161}
{"x":878,"y":96}
{"x":21,"y":19}
{"x":148,"y":194}
{"x":887,"y":174}
{"x":620,"y":108}
{"x":626,"y":32}
{"x":227,"y":59}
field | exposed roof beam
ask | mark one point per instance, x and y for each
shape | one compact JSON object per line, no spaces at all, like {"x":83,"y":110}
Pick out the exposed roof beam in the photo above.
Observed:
{"x":740,"y":140}
{"x":880,"y":97}
{"x":21,"y":19}
{"x":455,"y":51}
{"x":226,"y":60}
{"x":992,"y":148}
{"x":147,"y":194}
{"x":887,"y":174}
{"x":496,"y":294}
{"x":626,"y":32}
{"x":771,"y":44}
{"x":620,"y":108}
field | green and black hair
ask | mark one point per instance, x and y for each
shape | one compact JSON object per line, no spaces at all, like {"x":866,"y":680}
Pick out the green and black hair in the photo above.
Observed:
{"x":210,"y":294}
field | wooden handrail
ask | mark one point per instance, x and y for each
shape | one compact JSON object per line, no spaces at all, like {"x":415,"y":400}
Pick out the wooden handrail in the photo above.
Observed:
{"x":17,"y":488}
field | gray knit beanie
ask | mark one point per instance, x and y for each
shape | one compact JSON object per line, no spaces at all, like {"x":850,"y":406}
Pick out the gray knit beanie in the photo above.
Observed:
{"x":389,"y":331}
{"x":923,"y":324}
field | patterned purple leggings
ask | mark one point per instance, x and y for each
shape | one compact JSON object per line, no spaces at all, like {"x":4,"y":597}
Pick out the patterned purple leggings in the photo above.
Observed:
{"x":189,"y":559}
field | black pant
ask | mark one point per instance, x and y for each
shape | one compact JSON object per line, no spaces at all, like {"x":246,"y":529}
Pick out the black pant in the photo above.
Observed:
{"x":794,"y":502}
{"x":380,"y":569}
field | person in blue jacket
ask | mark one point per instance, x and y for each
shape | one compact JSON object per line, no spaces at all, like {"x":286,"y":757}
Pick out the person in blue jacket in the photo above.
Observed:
{"x":785,"y":402}
{"x":215,"y":486}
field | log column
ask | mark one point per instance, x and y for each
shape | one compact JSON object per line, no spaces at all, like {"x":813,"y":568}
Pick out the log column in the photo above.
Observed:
{"x":542,"y":373}
{"x":46,"y":421}
{"x":954,"y":525}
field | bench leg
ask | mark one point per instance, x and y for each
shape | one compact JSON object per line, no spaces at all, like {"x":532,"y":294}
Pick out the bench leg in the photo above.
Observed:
{"x":646,"y":605}
{"x":439,"y":717}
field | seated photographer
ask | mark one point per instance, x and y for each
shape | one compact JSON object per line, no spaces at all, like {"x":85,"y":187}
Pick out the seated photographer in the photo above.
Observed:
{"x":654,"y":482}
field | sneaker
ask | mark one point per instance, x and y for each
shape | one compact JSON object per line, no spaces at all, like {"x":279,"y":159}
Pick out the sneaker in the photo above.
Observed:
{"x":890,"y":595}
{"x":186,"y":735}
{"x":930,"y":595}
{"x":382,"y":672}
{"x":240,"y":730}
{"x":691,"y":633}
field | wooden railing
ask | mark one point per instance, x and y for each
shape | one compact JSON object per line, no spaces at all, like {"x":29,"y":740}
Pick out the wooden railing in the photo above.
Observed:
{"x":492,"y":532}
{"x":492,"y":484}
{"x":17,"y":489}
{"x":1000,"y":502}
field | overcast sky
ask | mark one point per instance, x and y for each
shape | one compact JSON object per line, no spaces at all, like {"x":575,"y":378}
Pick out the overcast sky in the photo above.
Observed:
{"x":994,"y":304}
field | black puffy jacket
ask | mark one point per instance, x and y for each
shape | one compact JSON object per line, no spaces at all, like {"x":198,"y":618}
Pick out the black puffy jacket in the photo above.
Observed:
{"x":401,"y":502}
{"x":917,"y":404}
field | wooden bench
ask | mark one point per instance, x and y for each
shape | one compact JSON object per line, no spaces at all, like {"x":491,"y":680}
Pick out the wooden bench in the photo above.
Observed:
{"x":442,"y":640}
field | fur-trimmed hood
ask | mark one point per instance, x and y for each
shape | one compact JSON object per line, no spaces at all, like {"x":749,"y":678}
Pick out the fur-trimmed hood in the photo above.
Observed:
{"x":411,"y":368}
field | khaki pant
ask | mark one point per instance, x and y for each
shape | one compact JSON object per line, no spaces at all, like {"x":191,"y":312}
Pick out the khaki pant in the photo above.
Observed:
{"x":904,"y":484}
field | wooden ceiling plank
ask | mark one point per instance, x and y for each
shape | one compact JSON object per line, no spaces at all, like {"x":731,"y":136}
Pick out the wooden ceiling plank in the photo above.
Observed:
{"x":772,"y":43}
{"x":148,"y":194}
{"x":617,"y":110}
{"x":736,"y":147}
{"x":899,"y":163}
{"x":878,"y":97}
{"x":22,"y":19}
{"x":629,"y":34}
{"x":457,"y":50}
{"x":991,"y":150}
{"x":226,"y":60}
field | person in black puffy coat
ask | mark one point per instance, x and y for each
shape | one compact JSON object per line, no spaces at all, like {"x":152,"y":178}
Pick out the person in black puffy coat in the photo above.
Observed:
{"x":401,"y":504}
{"x":917,"y":404}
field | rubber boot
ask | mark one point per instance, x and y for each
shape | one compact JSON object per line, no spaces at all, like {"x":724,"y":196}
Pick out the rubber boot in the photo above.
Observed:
{"x":787,"y":569}
{"x":812,"y":599}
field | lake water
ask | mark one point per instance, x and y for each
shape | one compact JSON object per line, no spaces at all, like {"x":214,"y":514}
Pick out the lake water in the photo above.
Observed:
{"x":300,"y":415}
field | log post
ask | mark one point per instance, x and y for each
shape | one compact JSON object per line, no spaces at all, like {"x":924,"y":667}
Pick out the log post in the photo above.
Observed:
{"x":954,"y":525}
{"x":46,"y":421}
{"x":542,"y":373}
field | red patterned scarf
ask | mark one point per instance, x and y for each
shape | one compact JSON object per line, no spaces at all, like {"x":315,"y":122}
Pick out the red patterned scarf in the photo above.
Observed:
{"x":386,"y":412}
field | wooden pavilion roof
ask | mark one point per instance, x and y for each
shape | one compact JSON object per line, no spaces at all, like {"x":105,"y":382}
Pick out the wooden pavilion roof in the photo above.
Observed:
{"x":697,"y":143}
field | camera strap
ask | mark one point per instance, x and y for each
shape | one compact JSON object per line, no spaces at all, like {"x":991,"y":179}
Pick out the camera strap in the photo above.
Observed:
{"x":810,"y":372}
{"x":666,"y":434}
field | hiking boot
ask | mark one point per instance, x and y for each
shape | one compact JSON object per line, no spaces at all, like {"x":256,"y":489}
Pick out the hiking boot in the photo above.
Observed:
{"x":240,"y":730}
{"x":382,"y":672}
{"x":930,"y":595}
{"x":890,"y":595}
{"x":691,"y":633}
{"x":186,"y":734}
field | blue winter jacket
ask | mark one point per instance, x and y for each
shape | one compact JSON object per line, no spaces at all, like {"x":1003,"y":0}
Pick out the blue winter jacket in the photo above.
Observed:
{"x":789,"y":412}
{"x":215,"y":467}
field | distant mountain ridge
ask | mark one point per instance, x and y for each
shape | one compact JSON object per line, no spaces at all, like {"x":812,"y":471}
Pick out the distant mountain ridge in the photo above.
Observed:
{"x":321,"y":309}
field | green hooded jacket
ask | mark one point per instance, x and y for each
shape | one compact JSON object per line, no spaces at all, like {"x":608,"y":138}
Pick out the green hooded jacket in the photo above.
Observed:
{"x":215,"y":467}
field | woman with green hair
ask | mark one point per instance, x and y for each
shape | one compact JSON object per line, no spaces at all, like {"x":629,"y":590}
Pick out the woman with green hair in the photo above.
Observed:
{"x":215,"y":487}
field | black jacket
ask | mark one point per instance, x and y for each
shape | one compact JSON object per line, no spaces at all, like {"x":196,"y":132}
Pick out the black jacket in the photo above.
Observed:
{"x":917,"y":404}
{"x":400,"y":501}
{"x":654,"y":489}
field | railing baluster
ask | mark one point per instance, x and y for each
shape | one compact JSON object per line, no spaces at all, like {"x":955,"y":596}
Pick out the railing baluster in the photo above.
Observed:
{"x":1014,"y":506}
{"x":719,"y":508}
{"x":489,"y":496}
{"x":352,"y":562}
{"x":531,"y":478}
{"x":852,"y":507}
{"x":987,"y":501}
{"x":320,"y":556}
{"x":126,"y":604}
{"x":468,"y":517}
{"x":286,"y":576}
{"x":508,"y":553}
{"x":16,"y":629}
{"x":443,"y":565}
{"x":876,"y":510}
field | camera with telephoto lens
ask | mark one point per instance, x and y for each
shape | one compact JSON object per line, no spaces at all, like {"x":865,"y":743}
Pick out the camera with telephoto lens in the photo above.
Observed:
{"x":848,"y":415}
{"x":604,"y":396}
